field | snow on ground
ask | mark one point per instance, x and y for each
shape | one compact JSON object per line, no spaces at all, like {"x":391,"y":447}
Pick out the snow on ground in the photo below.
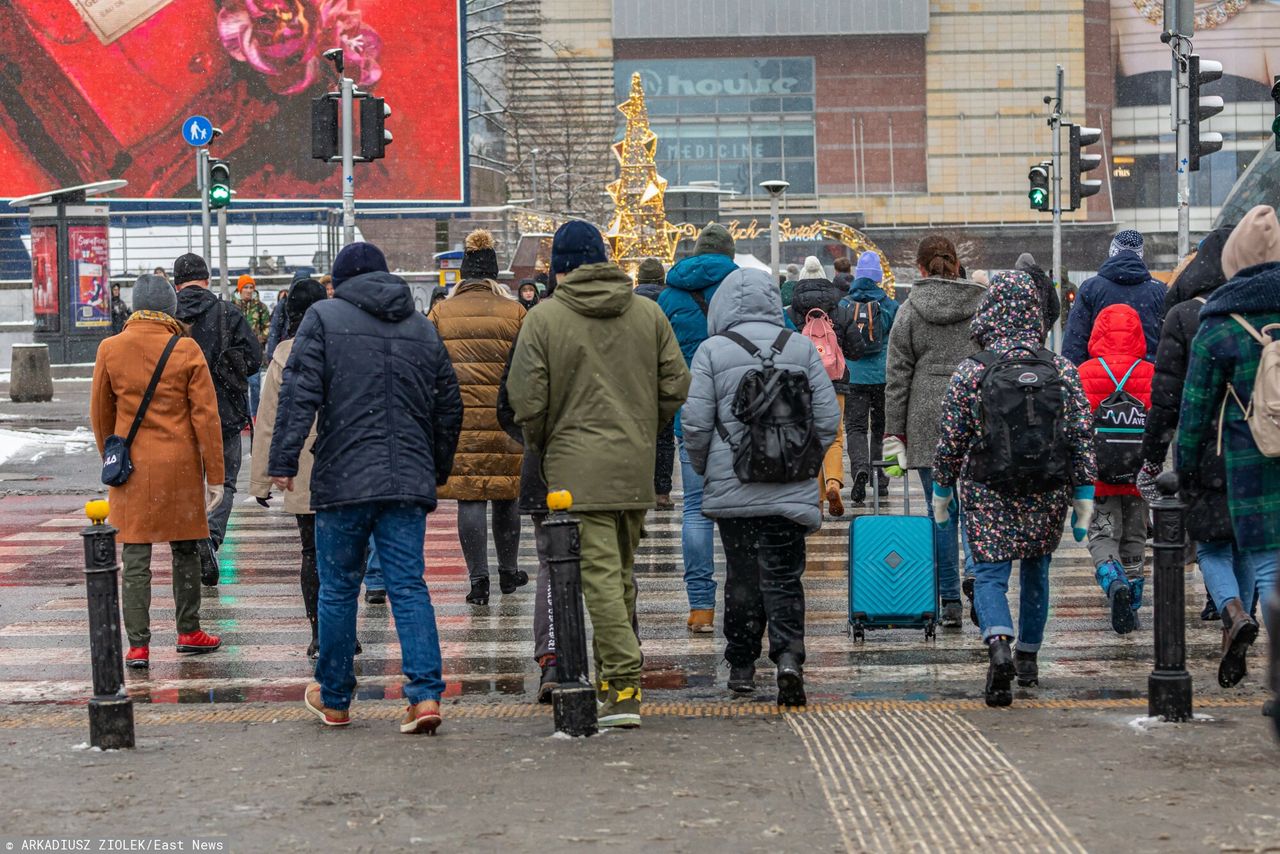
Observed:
{"x":33,"y":445}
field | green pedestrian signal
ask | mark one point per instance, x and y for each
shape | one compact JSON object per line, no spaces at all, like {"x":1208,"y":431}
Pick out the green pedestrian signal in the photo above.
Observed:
{"x":1039,"y":192}
{"x":219,"y":184}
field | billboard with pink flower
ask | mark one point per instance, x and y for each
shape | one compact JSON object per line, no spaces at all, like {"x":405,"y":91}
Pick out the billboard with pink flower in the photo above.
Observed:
{"x":96,"y":89}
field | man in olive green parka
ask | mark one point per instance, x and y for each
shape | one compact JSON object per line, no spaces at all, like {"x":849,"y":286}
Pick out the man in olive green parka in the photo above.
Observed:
{"x":595,"y":374}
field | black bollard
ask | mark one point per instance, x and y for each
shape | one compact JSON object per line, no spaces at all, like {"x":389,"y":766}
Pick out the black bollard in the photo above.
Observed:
{"x":110,"y":709}
{"x":574,"y":701}
{"x":1169,"y":686}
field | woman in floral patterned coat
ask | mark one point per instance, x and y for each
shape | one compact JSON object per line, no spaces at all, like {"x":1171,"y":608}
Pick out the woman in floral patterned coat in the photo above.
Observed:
{"x":1002,"y":527}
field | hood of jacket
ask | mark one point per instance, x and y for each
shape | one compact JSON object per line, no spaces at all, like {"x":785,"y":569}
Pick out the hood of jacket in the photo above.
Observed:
{"x":596,"y":290}
{"x":383,"y":295}
{"x":649,"y":290}
{"x":866,"y":290}
{"x":1009,"y":314}
{"x":814,"y":293}
{"x":1117,"y":332}
{"x":743,"y":297}
{"x":943,"y":302}
{"x":1125,"y":268}
{"x":700,"y":272}
{"x":1204,"y":273}
{"x":1254,"y":290}
{"x":194,"y":301}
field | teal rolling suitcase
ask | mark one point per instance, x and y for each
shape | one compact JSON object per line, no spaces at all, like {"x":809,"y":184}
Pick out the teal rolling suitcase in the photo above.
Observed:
{"x":893,"y":581}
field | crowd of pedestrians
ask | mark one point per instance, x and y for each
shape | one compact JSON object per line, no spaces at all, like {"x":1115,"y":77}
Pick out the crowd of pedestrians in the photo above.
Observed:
{"x":369,"y":412}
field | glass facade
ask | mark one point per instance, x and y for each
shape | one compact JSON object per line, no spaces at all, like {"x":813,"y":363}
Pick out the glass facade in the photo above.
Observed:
{"x":734,"y":121}
{"x":1151,"y":181}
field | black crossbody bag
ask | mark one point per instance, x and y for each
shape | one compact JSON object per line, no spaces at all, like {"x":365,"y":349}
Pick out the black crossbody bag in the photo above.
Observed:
{"x":116,"y":463}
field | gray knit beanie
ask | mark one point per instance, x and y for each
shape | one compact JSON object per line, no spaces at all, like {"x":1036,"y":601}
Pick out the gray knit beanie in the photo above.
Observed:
{"x":153,"y":293}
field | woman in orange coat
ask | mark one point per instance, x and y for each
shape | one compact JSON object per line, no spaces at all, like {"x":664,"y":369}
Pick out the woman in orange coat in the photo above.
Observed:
{"x":479,"y":323}
{"x":176,"y":452}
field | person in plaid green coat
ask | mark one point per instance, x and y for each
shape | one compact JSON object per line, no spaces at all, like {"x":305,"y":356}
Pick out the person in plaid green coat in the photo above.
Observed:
{"x":1225,"y":353}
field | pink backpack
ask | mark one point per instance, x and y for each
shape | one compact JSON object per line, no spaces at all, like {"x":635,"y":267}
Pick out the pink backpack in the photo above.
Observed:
{"x":818,"y":329}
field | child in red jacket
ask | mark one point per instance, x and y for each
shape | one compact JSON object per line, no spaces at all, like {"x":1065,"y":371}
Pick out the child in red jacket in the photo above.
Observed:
{"x":1117,"y":381}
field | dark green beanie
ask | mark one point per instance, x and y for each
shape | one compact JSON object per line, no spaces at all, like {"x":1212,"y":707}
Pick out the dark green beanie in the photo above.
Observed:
{"x":714,"y":240}
{"x":651,"y":272}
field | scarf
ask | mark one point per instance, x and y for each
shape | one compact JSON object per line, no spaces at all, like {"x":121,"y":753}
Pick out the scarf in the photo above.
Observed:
{"x":171,"y":323}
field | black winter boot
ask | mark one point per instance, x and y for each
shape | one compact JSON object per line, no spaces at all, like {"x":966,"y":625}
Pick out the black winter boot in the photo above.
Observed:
{"x":742,"y":678}
{"x":479,"y":594}
{"x":790,"y":681}
{"x":510,"y":582}
{"x":1000,"y":673}
{"x":1028,"y":670}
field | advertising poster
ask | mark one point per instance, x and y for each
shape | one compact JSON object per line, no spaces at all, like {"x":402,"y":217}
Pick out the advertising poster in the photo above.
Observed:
{"x":44,"y":274}
{"x":1244,"y":35}
{"x":117,"y":79}
{"x":88,"y":251}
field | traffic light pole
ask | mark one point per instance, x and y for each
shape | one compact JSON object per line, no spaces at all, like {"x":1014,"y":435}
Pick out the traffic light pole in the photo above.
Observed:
{"x":348,"y":162}
{"x":202,"y":187}
{"x":1182,"y":124}
{"x":222,"y":252}
{"x":1055,"y":122}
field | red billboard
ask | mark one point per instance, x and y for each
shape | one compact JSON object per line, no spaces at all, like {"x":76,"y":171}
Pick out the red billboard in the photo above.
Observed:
{"x":97,"y":89}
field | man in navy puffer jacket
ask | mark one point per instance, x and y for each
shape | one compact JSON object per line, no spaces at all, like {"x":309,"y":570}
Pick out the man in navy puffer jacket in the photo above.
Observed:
{"x":1122,"y":279}
{"x":378,"y":377}
{"x":690,"y":286}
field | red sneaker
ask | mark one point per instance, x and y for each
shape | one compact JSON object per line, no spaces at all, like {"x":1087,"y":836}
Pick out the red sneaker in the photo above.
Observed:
{"x":198,"y":641}
{"x":138,"y":656}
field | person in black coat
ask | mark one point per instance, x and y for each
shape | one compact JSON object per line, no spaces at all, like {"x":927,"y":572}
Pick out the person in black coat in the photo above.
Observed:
{"x":232,"y":350}
{"x":1050,"y":305}
{"x":651,"y":280}
{"x":376,"y":375}
{"x":1208,"y":517}
{"x":815,"y":291}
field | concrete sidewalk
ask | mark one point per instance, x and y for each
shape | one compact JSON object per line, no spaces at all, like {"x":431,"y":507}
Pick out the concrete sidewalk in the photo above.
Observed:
{"x":722,"y":777}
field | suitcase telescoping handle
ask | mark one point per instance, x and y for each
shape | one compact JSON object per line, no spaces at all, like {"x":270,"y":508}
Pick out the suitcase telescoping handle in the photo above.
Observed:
{"x":875,"y":489}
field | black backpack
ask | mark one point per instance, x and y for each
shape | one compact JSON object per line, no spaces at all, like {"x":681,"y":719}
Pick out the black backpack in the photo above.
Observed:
{"x":1023,"y":447}
{"x":868,"y":319}
{"x":1118,"y":424}
{"x":779,"y":443}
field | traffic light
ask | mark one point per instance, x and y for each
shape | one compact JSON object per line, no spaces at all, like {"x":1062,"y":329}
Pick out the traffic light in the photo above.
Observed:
{"x":219,"y":184}
{"x":1275,"y":124}
{"x":374,"y":137}
{"x":1199,"y":72}
{"x":1081,"y":163}
{"x":324,"y":128}
{"x":1039,"y":193}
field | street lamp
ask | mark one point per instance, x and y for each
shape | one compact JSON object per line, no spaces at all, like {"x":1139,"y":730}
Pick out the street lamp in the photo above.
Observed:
{"x":775,"y":189}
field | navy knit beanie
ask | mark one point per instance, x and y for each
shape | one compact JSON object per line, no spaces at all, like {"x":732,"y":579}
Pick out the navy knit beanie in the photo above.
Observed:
{"x":577,"y":243}
{"x":356,"y":259}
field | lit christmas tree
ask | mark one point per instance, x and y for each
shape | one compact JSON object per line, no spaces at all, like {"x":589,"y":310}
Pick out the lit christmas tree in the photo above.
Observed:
{"x":639,"y":228}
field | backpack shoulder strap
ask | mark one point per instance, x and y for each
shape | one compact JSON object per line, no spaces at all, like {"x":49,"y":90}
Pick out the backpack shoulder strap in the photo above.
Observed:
{"x":986,"y":358}
{"x":701,"y":299}
{"x":1124,"y":379}
{"x":1248,"y":327}
{"x":151,"y":390}
{"x":743,"y":342}
{"x":780,"y":343}
{"x":1200,"y":300}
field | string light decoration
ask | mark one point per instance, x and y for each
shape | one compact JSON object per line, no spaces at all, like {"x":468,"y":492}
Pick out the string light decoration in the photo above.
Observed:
{"x":639,"y":228}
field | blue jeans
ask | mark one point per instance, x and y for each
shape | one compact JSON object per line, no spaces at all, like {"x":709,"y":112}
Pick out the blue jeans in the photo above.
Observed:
{"x":255,"y":393}
{"x":946,"y":546}
{"x":341,"y":537}
{"x":373,"y":570}
{"x":1232,"y":574}
{"x":697,"y":540}
{"x":990,"y":597}
{"x":1267,"y":570}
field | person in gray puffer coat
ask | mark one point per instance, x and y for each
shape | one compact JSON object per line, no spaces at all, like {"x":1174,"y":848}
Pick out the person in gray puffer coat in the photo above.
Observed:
{"x":762,"y":525}
{"x":929,"y":338}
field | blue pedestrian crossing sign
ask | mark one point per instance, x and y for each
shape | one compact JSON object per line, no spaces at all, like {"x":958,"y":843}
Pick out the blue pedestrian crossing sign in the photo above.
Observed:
{"x":197,"y":130}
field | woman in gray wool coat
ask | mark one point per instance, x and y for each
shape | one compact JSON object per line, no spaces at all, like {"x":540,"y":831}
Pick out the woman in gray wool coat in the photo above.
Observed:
{"x":929,"y":338}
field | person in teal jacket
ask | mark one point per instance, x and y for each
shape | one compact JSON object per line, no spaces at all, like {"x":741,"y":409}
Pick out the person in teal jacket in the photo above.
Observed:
{"x":690,"y":286}
{"x":874,"y":312}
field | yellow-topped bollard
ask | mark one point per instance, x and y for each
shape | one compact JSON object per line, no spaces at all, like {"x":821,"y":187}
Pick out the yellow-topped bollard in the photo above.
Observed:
{"x":97,"y":511}
{"x":574,"y":702}
{"x":559,"y":501}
